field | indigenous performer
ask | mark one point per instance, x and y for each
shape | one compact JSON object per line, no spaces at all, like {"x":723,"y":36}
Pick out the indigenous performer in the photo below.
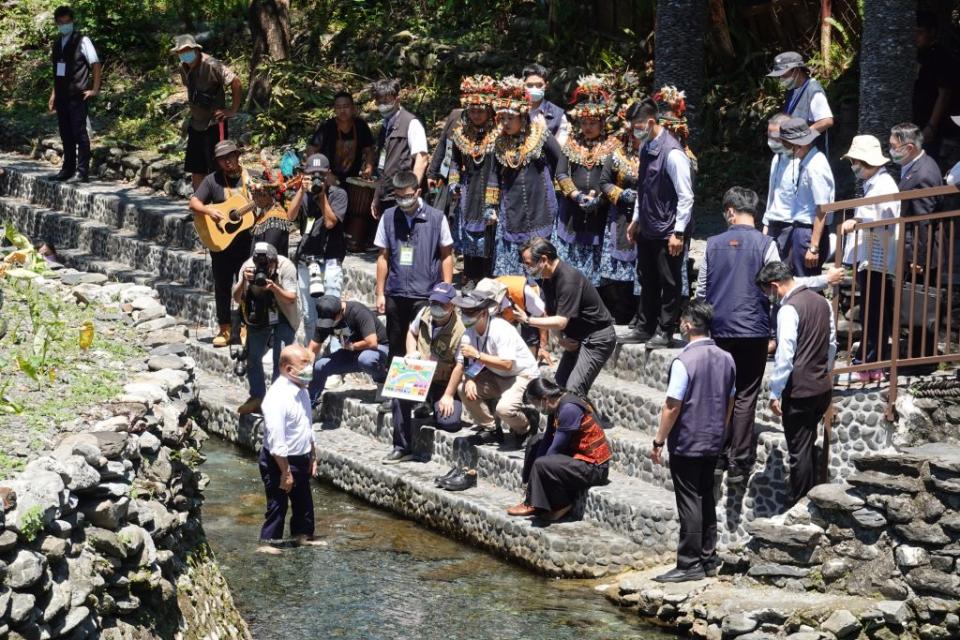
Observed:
{"x":522,"y":196}
{"x":472,"y":170}
{"x":583,"y":209}
{"x":618,"y":261}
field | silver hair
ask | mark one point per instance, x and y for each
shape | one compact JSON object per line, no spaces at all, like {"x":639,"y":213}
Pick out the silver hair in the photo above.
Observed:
{"x":907,"y":133}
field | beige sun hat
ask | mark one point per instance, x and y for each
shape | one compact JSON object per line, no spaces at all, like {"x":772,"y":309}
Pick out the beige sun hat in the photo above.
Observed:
{"x":866,"y":149}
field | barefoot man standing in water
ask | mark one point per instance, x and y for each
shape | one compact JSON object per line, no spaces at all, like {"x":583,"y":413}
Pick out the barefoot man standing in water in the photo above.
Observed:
{"x":288,"y":457}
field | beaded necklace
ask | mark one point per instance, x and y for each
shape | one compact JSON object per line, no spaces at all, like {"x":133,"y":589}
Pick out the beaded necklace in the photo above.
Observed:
{"x":515,"y":151}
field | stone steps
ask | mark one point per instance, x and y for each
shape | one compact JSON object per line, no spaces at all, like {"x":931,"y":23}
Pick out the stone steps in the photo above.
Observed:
{"x":351,"y":461}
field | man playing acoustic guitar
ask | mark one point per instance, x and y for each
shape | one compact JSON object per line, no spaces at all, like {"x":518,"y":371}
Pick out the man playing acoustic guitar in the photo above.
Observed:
{"x":229,"y":180}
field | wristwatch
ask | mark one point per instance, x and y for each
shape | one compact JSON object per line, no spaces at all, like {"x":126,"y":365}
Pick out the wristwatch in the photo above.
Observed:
{"x":657,"y":445}
{"x":678,"y":235}
{"x":813,"y":250}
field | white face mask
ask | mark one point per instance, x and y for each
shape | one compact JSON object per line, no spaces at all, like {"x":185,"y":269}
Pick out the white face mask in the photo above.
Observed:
{"x":775,"y":145}
{"x":641,"y":133}
{"x":305,"y":375}
{"x":789,"y":82}
{"x":386,"y":109}
{"x":407,"y":204}
{"x":536,"y":93}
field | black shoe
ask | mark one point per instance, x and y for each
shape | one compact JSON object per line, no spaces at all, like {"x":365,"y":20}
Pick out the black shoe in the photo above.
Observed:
{"x":422,"y":412}
{"x":61,"y":177}
{"x":464,"y":480}
{"x":660,"y":341}
{"x":491,"y":436}
{"x":710,"y":569}
{"x":397,"y":455}
{"x":83,"y":178}
{"x":682,"y":575}
{"x":439,"y":480}
{"x":632,"y":336}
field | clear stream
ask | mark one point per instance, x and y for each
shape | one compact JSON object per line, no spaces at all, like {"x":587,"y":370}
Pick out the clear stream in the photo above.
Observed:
{"x":383,"y":577}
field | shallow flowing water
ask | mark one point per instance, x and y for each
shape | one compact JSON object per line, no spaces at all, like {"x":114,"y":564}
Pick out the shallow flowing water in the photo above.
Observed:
{"x":382,"y":577}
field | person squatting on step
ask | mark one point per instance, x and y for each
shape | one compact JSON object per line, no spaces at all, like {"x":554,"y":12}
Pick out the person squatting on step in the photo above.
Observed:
{"x":498,"y":366}
{"x":693,"y":426}
{"x":205,"y":78}
{"x":576,"y":310}
{"x":76,"y":80}
{"x":435,"y":334}
{"x":362,"y":338}
{"x":319,"y":256}
{"x":801,"y":385}
{"x":288,"y":459}
{"x":416,"y":253}
{"x":266,"y":291}
{"x":570,"y":457}
{"x":218,"y":187}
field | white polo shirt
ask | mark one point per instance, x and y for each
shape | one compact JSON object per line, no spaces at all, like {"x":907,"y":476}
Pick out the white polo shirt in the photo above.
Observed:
{"x":502,"y":340}
{"x":287,"y":424}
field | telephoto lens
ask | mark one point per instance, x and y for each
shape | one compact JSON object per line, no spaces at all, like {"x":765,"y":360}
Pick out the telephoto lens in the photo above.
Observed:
{"x":316,"y":278}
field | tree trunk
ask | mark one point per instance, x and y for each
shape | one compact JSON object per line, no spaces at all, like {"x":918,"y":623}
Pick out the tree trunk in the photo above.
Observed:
{"x":270,"y":27}
{"x":826,"y":14}
{"x":886,"y":47}
{"x":720,"y":29}
{"x":678,"y":52}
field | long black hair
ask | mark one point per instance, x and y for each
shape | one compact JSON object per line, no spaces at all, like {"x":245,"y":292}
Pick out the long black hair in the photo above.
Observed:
{"x":541,"y":389}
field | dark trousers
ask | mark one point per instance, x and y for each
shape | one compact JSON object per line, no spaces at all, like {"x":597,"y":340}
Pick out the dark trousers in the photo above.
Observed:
{"x":402,"y":411}
{"x":660,"y":286}
{"x":619,"y":299}
{"x":800,"y":419}
{"x":226,"y":267}
{"x":780,"y":232}
{"x":200,"y":145}
{"x":750,"y":357}
{"x":799,"y":243}
{"x":300,"y":498}
{"x":696,"y":508}
{"x":578,"y":369}
{"x":400,"y":313}
{"x":874,"y":339}
{"x":72,"y":122}
{"x":555,"y":481}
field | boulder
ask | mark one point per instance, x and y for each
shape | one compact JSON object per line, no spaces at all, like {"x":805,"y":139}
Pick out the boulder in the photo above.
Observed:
{"x":78,"y":474}
{"x":158,"y":323}
{"x":895,"y":612}
{"x":42,"y":495}
{"x":145,"y":302}
{"x":148,"y":315}
{"x":22,"y":612}
{"x":108,"y":514}
{"x":835,"y":497}
{"x":147,"y":393}
{"x":869,"y":519}
{"x":923,"y":533}
{"x":106,"y":542}
{"x":773,"y":570}
{"x":878,"y":481}
{"x":841,"y":623}
{"x":71,"y":279}
{"x":928,"y":580}
{"x":799,"y":535}
{"x":25,"y":569}
{"x":908,"y":557}
{"x":149,"y":443}
{"x":111,"y":443}
{"x":58,"y":601}
{"x":156,"y":363}
{"x":737,"y":624}
{"x":70,"y":621}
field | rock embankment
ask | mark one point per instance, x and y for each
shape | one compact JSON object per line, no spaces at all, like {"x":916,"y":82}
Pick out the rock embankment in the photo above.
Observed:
{"x":101,"y":536}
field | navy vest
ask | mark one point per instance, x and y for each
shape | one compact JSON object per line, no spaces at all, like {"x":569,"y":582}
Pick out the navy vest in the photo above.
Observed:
{"x":552,"y":115}
{"x":733,"y":260}
{"x":798,"y":106}
{"x":701,"y":426}
{"x":657,"y":205}
{"x":415,"y":280}
{"x":77,"y":77}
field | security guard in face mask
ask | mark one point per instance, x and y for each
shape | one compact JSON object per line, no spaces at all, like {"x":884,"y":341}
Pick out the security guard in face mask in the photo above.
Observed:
{"x":267,"y":294}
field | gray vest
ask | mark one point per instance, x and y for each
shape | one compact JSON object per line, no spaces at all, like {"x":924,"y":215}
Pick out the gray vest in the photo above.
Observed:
{"x":701,"y":427}
{"x":396,"y":149}
{"x":798,"y":106}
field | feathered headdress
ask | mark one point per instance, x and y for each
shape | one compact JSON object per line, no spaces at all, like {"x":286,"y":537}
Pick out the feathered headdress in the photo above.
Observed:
{"x":478,"y":90}
{"x":672,"y":107}
{"x":512,"y":96}
{"x":591,"y":98}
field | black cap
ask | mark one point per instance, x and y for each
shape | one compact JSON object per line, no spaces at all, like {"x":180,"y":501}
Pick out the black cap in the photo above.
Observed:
{"x":328,"y":308}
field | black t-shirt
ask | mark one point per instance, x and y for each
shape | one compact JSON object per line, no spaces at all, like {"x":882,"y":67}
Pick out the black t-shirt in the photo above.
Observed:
{"x":213,"y":188}
{"x":569,"y":294}
{"x":322,"y":241}
{"x":937,"y":65}
{"x":343,"y":152}
{"x":358,"y":323}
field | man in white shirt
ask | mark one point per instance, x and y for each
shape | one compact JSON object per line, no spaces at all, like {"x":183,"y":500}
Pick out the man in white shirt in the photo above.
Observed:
{"x":781,"y":188}
{"x":498,"y":365}
{"x":662,"y":213}
{"x":288,"y":456}
{"x":809,"y":238}
{"x":76,"y":79}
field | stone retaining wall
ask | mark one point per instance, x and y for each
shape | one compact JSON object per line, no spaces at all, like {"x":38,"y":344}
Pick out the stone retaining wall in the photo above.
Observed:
{"x":101,"y":537}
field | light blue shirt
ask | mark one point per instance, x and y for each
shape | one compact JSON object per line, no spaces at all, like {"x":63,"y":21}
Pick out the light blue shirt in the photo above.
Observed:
{"x":787,"y":323}
{"x":815,"y":186}
{"x":781,"y":188}
{"x":680,"y":378}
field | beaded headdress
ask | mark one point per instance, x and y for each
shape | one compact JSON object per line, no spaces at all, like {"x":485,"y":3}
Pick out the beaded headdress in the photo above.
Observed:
{"x":478,"y":90}
{"x":512,"y":96}
{"x":591,"y":98}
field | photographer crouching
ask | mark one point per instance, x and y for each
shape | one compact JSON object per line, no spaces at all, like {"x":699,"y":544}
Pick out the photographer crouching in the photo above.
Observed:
{"x":322,"y":248}
{"x":266,"y":291}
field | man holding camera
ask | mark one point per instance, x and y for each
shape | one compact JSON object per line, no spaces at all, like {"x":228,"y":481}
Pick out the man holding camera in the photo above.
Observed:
{"x":205,"y":78}
{"x":322,"y":249}
{"x":363,"y":340}
{"x":267,"y":295}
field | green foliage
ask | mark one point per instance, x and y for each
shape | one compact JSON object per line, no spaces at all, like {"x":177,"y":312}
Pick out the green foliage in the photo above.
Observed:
{"x":32,"y":524}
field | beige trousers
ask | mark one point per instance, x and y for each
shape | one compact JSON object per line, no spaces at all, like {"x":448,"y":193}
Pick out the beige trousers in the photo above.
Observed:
{"x":510,"y":392}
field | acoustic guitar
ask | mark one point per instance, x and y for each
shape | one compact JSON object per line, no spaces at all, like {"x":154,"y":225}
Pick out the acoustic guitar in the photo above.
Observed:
{"x":239,"y":214}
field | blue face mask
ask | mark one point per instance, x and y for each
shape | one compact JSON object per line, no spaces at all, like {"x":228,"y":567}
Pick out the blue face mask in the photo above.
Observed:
{"x":187,"y":57}
{"x":65,"y":29}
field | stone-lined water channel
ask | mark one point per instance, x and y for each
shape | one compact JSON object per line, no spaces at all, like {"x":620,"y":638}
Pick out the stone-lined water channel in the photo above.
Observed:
{"x":383,"y":577}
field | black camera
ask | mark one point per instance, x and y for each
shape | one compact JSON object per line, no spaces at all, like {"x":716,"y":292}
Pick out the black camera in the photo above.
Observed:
{"x":261,"y":266}
{"x":317,"y":188}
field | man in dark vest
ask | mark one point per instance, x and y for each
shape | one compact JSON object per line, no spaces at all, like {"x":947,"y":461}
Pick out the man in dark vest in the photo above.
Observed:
{"x":918,"y":171}
{"x":741,"y":324}
{"x":402,"y":144}
{"x":76,"y":79}
{"x":663,"y":212}
{"x":693,"y":425}
{"x":416,"y":252}
{"x":536,"y":80}
{"x":805,"y":97}
{"x":801,"y":385}
{"x":205,"y":78}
